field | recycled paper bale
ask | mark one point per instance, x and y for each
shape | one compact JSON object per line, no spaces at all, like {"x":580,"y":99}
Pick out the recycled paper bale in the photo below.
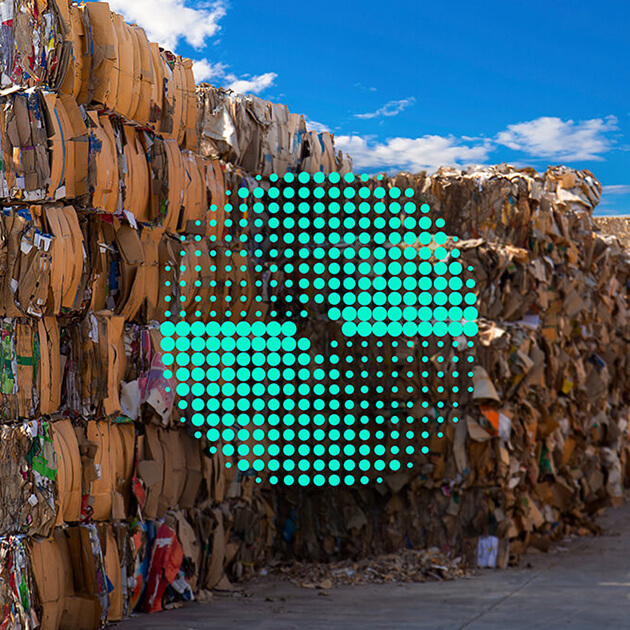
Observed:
{"x":29,"y":470}
{"x":262,"y":137}
{"x":16,"y":584}
{"x":34,"y":46}
{"x":25,"y":164}
{"x":72,"y":573}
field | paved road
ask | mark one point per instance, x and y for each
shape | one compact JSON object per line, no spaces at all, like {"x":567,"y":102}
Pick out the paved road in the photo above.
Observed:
{"x":586,"y":587}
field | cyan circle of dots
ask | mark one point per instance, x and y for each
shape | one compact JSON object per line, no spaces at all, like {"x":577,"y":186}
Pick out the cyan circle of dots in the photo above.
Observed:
{"x":389,"y":234}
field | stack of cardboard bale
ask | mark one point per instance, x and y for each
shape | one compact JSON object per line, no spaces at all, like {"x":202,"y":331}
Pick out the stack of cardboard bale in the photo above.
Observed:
{"x":541,"y":441}
{"x":100,"y":188}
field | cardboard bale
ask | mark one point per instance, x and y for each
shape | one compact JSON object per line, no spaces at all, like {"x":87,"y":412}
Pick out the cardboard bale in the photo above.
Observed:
{"x":35,"y":51}
{"x":29,"y":470}
{"x":16,"y":584}
{"x":104,"y":75}
{"x":25,"y":165}
{"x":262,"y":137}
{"x":145,"y":88}
{"x":71,"y":572}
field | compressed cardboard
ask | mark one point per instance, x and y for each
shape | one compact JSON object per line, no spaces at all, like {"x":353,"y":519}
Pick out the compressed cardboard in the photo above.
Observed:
{"x":104,"y":178}
{"x":133,"y":277}
{"x":195,"y":201}
{"x":137,"y":178}
{"x":127,"y":67}
{"x":151,"y":471}
{"x":112,"y":354}
{"x":68,"y":257}
{"x":50,"y":365}
{"x":108,"y":462}
{"x":26,"y":363}
{"x":175,"y":469}
{"x":176,"y":174}
{"x":69,"y":475}
{"x":104,"y":75}
{"x":69,"y":147}
{"x":145,"y":87}
{"x":157,"y":91}
{"x":50,"y":575}
{"x":151,"y":239}
{"x":112,"y":570}
{"x":23,"y":132}
{"x":78,"y":76}
{"x":106,"y":465}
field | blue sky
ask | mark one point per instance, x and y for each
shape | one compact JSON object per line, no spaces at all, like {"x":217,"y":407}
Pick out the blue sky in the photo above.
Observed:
{"x":414,"y":85}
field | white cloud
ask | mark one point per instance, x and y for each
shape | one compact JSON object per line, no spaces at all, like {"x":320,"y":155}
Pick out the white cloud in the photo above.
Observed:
{"x":616,"y":189}
{"x":542,"y":138}
{"x":554,"y":138}
{"x":392,"y":108}
{"x":207,"y":71}
{"x":313,"y":125}
{"x":169,"y":21}
{"x":413,"y":154}
{"x":360,"y":86}
{"x":252,"y":85}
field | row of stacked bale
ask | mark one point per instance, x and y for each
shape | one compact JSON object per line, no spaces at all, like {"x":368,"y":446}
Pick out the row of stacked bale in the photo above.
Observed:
{"x":541,"y":441}
{"x":108,"y":505}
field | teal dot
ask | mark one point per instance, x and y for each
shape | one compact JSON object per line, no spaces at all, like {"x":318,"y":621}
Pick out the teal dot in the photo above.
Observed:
{"x":167,"y":329}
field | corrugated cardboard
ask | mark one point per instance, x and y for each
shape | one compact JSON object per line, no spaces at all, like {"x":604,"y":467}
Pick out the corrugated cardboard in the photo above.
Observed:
{"x":127,"y":66}
{"x":190,"y":115}
{"x":104,"y":76}
{"x":106,"y":464}
{"x":68,"y":257}
{"x":112,"y":352}
{"x":195,"y":202}
{"x":78,"y":75}
{"x":145,"y":87}
{"x":69,"y":147}
{"x":112,"y":570}
{"x":216,"y":187}
{"x":151,"y":471}
{"x":157,"y":88}
{"x":176,"y":174}
{"x":175,"y":469}
{"x":69,"y":475}
{"x":133,"y":279}
{"x":25,"y":336}
{"x":194,"y":470}
{"x":137,"y":177}
{"x":104,"y":179}
{"x":151,"y":245}
{"x":50,"y":575}
{"x":50,"y":365}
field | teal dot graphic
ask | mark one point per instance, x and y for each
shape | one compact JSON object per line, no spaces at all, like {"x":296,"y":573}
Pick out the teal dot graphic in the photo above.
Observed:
{"x":327,"y":311}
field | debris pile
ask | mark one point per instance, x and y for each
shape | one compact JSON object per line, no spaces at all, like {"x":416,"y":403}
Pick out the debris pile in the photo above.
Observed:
{"x":408,"y":565}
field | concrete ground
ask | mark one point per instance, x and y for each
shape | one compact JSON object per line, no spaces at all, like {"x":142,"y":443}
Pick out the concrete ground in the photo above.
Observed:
{"x":583,"y":585}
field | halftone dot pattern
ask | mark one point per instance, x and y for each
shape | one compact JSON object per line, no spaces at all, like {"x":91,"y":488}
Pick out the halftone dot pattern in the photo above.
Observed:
{"x":326,"y":337}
